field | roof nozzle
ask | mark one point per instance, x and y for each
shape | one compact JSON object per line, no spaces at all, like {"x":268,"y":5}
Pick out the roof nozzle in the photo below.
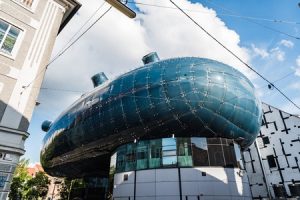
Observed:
{"x":150,"y":58}
{"x":46,"y":125}
{"x":99,"y":78}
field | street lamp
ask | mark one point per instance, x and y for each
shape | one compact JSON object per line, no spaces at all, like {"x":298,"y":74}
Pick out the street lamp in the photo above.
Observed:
{"x":122,"y":8}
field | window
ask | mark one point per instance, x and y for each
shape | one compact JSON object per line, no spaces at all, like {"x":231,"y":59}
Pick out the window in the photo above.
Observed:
{"x":199,"y":151}
{"x":173,"y":152}
{"x":271,"y":161}
{"x":295,"y":190}
{"x":125,"y":178}
{"x":279,"y":191}
{"x":169,"y":157}
{"x":2,"y":181}
{"x":8,"y":36}
{"x":184,"y":154}
{"x":266,"y":140}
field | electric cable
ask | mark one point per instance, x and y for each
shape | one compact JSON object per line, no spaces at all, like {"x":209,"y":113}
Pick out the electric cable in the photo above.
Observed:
{"x":235,"y":55}
{"x":68,"y":47}
{"x":247,"y":18}
{"x":259,"y":24}
{"x":78,"y":31}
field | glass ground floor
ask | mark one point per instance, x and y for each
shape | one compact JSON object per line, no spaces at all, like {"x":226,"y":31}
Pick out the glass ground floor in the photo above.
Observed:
{"x":176,"y":152}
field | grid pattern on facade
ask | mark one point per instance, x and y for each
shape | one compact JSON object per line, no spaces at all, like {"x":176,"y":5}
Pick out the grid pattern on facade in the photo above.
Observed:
{"x":275,"y":157}
{"x":176,"y":152}
{"x":181,"y":96}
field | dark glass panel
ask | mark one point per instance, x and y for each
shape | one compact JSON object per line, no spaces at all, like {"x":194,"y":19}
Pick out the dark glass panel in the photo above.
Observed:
{"x":271,"y":161}
{"x":213,"y":141}
{"x":199,"y":152}
{"x":229,"y":155}
{"x":120,"y":164}
{"x":155,"y":153}
{"x":142,"y":155}
{"x":130,"y":158}
{"x":266,"y":140}
{"x":216,"y":156}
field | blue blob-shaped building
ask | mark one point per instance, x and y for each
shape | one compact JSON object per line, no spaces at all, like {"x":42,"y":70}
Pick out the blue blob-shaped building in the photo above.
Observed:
{"x":164,"y":103}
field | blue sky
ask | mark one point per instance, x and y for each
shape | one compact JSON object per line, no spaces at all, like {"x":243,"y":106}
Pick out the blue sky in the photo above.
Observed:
{"x":116,"y":44}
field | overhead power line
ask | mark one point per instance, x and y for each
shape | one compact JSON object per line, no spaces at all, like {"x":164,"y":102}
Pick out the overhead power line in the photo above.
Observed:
{"x":80,"y":29}
{"x":65,"y":49}
{"x":246,"y":18}
{"x":235,"y":55}
{"x":254,"y":22}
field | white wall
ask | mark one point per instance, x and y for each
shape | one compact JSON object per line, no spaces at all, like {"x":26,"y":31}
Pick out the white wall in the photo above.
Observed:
{"x":283,"y":132}
{"x":163,"y":184}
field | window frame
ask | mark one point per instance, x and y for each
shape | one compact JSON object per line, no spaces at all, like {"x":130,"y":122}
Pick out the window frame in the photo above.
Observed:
{"x":16,"y":46}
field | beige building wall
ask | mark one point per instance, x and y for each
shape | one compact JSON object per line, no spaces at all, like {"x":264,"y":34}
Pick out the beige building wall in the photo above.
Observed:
{"x":22,"y":71}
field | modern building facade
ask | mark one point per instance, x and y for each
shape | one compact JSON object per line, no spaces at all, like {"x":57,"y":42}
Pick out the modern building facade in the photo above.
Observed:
{"x":272,"y":162}
{"x":171,"y":129}
{"x":28,"y":29}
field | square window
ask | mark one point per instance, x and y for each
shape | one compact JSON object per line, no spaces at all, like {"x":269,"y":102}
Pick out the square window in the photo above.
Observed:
{"x":125,"y":178}
{"x":266,"y":140}
{"x":8,"y":36}
{"x":271,"y":161}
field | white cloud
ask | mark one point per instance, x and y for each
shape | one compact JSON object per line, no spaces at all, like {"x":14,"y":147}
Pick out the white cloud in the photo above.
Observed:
{"x":278,"y":54}
{"x":298,"y":61}
{"x":263,"y":53}
{"x":287,"y":43}
{"x":297,"y":68}
{"x":117,"y":44}
{"x":172,"y":34}
{"x":295,"y":86}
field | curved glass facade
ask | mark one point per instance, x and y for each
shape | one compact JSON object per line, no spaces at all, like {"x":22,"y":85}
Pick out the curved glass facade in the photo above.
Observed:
{"x":176,"y":152}
{"x":188,"y":97}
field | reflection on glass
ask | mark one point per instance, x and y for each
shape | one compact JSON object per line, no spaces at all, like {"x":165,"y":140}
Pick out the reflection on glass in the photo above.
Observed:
{"x":229,"y":154}
{"x":155,"y":153}
{"x":3,"y":28}
{"x":199,"y":151}
{"x":238,"y":156}
{"x":169,"y":157}
{"x":10,"y":39}
{"x":130,"y":157}
{"x":173,"y":152}
{"x":184,"y":152}
{"x":216,"y":156}
{"x":142,"y":155}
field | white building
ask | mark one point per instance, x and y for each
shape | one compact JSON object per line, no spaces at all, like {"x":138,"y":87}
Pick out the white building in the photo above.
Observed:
{"x":28,"y":29}
{"x":272,"y":163}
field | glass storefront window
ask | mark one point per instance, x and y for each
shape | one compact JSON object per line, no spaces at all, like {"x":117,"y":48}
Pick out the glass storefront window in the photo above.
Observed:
{"x":130,"y":157}
{"x":120,"y":166}
{"x":229,"y":154}
{"x":177,"y":152}
{"x":184,"y":152}
{"x":169,"y":157}
{"x":200,"y":151}
{"x":142,"y":155}
{"x":155,"y":153}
